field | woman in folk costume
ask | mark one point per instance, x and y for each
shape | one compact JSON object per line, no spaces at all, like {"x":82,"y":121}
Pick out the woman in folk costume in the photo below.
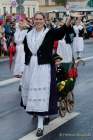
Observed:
{"x":20,"y":55}
{"x":64,"y":49}
{"x":64,"y":46}
{"x":4,"y":44}
{"x":39,"y":94}
{"x":78,"y":42}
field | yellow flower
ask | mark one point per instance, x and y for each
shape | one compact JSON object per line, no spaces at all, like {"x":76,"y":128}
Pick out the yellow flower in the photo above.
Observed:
{"x":63,"y":83}
{"x":71,"y":79}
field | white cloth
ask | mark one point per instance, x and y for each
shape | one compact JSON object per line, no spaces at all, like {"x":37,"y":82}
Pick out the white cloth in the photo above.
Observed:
{"x":78,"y":42}
{"x":20,"y":55}
{"x":36,"y":78}
{"x":40,"y":122}
{"x":65,"y":51}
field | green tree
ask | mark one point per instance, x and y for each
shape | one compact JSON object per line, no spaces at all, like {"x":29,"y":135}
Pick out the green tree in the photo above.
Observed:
{"x":63,"y":2}
{"x":90,"y":3}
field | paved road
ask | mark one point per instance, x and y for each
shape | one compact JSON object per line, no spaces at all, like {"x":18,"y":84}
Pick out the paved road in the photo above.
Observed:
{"x":5,"y":72}
{"x":15,"y":123}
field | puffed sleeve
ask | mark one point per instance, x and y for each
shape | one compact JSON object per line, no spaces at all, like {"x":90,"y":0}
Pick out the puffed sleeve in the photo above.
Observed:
{"x":58,"y":33}
{"x":19,"y":36}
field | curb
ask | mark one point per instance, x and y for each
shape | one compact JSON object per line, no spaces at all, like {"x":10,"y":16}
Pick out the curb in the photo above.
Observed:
{"x":4,"y":59}
{"x":8,"y":81}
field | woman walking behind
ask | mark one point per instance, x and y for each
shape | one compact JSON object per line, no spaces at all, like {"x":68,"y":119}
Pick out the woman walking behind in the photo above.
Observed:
{"x":39,"y":94}
{"x":78,"y":42}
{"x":20,"y":55}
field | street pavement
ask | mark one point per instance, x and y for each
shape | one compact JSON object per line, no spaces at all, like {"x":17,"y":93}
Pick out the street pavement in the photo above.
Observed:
{"x":5,"y":72}
{"x":16,"y":123}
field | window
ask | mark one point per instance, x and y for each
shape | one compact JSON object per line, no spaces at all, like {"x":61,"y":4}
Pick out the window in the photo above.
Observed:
{"x":33,"y":10}
{"x":46,"y":2}
{"x":28,"y":12}
{"x":11,"y":10}
{"x":4,"y":10}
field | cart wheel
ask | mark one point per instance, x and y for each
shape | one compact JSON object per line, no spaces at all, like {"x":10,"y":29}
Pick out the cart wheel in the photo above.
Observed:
{"x":70,"y":102}
{"x":62,"y":107}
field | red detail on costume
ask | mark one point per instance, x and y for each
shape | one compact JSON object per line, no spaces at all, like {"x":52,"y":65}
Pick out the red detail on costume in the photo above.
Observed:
{"x":73,"y":73}
{"x":12,"y":51}
{"x":55,"y":44}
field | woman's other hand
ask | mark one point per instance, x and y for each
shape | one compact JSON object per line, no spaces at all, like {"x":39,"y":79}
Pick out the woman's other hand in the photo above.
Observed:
{"x":68,"y":21}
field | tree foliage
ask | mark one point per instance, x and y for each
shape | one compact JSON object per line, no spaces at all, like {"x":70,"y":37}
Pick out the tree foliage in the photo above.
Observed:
{"x":63,"y":2}
{"x":90,"y":3}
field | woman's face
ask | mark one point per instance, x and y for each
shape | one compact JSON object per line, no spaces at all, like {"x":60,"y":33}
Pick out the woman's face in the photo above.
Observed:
{"x":39,"y":21}
{"x":78,"y":21}
{"x":21,"y":24}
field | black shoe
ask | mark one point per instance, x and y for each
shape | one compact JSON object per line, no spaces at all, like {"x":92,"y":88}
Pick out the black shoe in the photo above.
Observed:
{"x":20,"y":88}
{"x":46,"y":120}
{"x":39,"y":132}
{"x":34,"y":116}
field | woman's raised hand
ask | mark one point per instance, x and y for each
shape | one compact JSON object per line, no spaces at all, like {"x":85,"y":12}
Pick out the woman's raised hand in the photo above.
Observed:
{"x":68,"y":21}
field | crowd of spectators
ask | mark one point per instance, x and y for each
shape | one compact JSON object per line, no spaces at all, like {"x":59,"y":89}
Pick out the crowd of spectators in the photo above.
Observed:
{"x":8,"y":28}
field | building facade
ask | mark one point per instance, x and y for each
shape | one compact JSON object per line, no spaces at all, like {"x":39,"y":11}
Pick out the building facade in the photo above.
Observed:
{"x":47,"y":2}
{"x":29,"y":7}
{"x":52,"y":2}
{"x":49,"y":5}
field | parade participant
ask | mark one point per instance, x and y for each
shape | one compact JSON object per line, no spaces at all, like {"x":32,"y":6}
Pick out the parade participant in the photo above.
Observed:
{"x":64,"y":48}
{"x":4,"y":44}
{"x":78,"y":42}
{"x":39,"y":94}
{"x":20,"y":55}
{"x":11,"y":51}
{"x":1,"y":36}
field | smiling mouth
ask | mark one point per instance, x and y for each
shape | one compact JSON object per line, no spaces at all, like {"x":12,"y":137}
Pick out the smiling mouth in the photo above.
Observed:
{"x":38,"y":24}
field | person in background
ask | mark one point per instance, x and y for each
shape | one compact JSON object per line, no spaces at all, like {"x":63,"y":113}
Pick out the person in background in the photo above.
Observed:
{"x":64,"y":45}
{"x":78,"y":42}
{"x":39,"y":91}
{"x":19,"y":36}
{"x":7,"y":28}
{"x":4,"y":44}
{"x":1,"y":35}
{"x":64,"y":49}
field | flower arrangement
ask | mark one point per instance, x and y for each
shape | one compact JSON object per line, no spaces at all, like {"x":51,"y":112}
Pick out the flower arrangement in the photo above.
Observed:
{"x":66,"y":85}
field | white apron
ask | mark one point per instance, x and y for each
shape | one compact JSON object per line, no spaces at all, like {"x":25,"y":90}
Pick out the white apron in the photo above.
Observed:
{"x":65,"y":51}
{"x":78,"y":42}
{"x":20,"y":55}
{"x":36,"y":78}
{"x":19,"y":60}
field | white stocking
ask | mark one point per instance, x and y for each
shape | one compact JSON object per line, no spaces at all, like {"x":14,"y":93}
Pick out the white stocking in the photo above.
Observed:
{"x":20,"y":83}
{"x":40,"y":122}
